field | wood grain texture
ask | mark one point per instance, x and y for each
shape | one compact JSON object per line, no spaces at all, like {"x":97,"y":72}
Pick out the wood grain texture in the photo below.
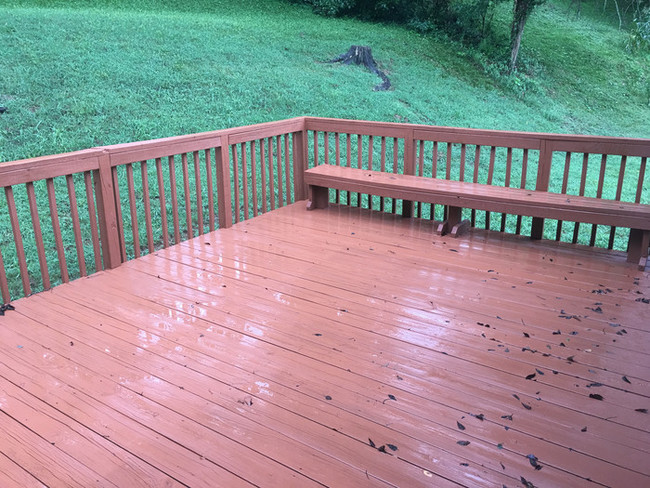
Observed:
{"x":342,"y":347}
{"x":483,"y":197}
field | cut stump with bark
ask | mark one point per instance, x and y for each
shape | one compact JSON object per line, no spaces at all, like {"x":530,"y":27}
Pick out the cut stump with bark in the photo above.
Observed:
{"x":363,"y":55}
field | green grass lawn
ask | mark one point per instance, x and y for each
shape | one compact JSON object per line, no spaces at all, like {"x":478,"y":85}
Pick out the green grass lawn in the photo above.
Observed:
{"x":77,"y":74}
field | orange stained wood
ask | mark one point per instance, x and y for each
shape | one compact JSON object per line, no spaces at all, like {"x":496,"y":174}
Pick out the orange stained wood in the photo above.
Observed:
{"x":334,"y":348}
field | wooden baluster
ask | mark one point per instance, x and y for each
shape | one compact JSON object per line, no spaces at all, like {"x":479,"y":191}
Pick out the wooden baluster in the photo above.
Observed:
{"x":493,"y":151}
{"x":208,"y":174}
{"x":287,"y":168}
{"x":18,"y":240}
{"x":448,"y":168}
{"x":359,"y":165}
{"x":271,"y":172}
{"x":395,"y":168}
{"x":315,"y":149}
{"x":199,"y":192}
{"x":639,"y":185}
{"x":118,"y":213}
{"x":56,"y":230}
{"x":565,"y":183}
{"x":477,"y":159}
{"x":133,"y":209}
{"x":263,"y":174}
{"x":4,"y":286}
{"x":188,"y":197}
{"x":76,"y":226}
{"x":371,"y":142}
{"x":348,"y":148}
{"x":144,"y":174}
{"x":173,"y":191}
{"x":163,"y":203}
{"x":244,"y":177}
{"x":92,"y":217}
{"x":583,"y":181}
{"x":235,"y":173}
{"x":382,"y":168}
{"x":420,"y":171}
{"x":337,"y":152}
{"x":504,"y":216}
{"x":278,"y":161}
{"x":254,"y":178}
{"x":434,"y":173}
{"x":522,"y":184}
{"x":38,"y":236}
{"x":326,"y":142}
{"x":599,"y":194}
{"x":337,"y":143}
{"x":463,"y":151}
{"x":619,"y":192}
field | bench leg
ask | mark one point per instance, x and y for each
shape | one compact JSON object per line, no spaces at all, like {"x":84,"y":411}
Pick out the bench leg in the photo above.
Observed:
{"x":407,"y":209}
{"x":318,"y":197}
{"x":637,"y":250}
{"x":537,"y":228}
{"x":452,"y":224}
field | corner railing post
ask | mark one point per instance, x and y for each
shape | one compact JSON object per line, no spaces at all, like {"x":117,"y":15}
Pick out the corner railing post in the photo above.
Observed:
{"x":224,"y":195}
{"x":409,"y":169}
{"x":299,"y":163}
{"x":107,"y":214}
{"x":543,"y":179}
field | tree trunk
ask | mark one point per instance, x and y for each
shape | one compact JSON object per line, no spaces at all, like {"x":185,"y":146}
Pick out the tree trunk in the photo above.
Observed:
{"x":522,"y":10}
{"x":363,"y":55}
{"x":516,"y":34}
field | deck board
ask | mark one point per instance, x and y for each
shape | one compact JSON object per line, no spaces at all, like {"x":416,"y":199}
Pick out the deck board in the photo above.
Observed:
{"x":274,"y":352}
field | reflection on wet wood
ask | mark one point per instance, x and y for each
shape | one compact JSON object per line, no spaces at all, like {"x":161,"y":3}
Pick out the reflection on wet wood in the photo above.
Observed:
{"x":339,"y":348}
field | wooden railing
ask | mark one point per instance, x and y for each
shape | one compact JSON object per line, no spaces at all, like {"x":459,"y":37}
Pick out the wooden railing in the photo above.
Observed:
{"x":601,"y":167}
{"x":109,"y":204}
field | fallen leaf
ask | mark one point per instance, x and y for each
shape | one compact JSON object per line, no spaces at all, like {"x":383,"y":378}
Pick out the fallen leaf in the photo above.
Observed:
{"x":462,"y":443}
{"x":460,"y":426}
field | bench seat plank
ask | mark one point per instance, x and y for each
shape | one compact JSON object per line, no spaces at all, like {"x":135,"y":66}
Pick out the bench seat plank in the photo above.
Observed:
{"x":482,"y":197}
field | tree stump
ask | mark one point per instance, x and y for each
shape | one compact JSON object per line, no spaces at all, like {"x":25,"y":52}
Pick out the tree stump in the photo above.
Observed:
{"x":363,"y":55}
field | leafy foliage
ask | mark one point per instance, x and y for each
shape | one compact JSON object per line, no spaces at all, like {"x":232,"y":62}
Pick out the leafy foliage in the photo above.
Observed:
{"x":639,"y":38}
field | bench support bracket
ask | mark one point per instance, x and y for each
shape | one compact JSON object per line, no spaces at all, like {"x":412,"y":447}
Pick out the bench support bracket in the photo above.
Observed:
{"x":453,"y":223}
{"x":637,"y":251}
{"x":318,"y":197}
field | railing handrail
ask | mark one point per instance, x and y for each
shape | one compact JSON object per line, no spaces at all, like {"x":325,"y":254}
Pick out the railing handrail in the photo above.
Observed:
{"x":341,"y":125}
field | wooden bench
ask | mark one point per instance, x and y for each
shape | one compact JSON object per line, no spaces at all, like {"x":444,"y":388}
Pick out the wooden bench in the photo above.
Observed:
{"x":457,"y":195}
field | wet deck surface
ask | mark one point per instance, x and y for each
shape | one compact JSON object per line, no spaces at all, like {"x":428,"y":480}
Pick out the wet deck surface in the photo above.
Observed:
{"x":335,"y":347}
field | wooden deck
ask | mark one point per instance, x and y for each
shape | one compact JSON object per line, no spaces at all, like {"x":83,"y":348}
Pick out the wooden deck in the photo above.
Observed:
{"x":338,"y":347}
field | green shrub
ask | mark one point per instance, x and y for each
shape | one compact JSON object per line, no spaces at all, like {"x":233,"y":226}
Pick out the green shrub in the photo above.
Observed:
{"x":639,"y":38}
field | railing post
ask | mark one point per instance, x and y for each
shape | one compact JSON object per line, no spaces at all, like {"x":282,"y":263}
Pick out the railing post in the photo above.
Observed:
{"x":224,"y":197}
{"x":409,"y":169}
{"x":299,"y":164}
{"x":107,"y":214}
{"x":543,"y":179}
